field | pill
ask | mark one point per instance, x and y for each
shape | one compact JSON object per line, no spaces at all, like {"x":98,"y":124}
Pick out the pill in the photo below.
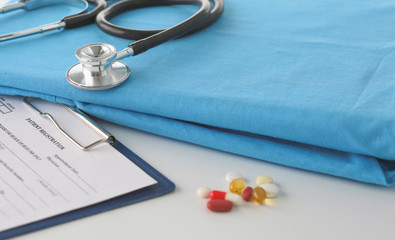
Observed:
{"x":247,"y":192}
{"x":230,"y":176}
{"x":219,"y":205}
{"x":203,"y":192}
{"x":219,"y":195}
{"x":237,"y":186}
{"x":258,"y":195}
{"x":263,"y":179}
{"x":271,"y":189}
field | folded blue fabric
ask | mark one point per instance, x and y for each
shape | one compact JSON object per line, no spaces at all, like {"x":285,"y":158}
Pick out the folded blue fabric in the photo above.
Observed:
{"x":308,"y":84}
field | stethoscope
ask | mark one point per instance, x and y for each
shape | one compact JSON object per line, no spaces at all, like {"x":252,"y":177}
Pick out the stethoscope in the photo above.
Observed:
{"x":76,"y":20}
{"x":99,"y":66}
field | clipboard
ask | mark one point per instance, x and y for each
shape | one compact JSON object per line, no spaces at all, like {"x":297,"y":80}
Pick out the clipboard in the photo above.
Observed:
{"x":162,"y":187}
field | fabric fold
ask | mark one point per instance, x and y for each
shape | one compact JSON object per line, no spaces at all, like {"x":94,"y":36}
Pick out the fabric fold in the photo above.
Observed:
{"x":307,"y":84}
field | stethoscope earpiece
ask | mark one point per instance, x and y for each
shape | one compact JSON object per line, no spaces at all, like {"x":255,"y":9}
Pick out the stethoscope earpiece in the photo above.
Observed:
{"x":98,"y":68}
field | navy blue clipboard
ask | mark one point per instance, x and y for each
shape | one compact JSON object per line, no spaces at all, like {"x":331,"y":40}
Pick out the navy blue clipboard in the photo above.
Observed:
{"x":163,"y":186}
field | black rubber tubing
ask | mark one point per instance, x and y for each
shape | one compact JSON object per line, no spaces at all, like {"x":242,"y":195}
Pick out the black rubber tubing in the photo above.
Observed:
{"x":148,"y":39}
{"x":78,"y":20}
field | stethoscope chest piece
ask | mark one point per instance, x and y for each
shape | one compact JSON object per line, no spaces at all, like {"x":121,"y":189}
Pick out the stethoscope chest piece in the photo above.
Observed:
{"x":98,"y":68}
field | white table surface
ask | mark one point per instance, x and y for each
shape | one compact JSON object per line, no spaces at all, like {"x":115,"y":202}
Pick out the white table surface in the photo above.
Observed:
{"x":310,"y":206}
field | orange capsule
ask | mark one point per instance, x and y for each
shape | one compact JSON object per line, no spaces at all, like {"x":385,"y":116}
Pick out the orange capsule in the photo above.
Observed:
{"x":237,"y":186}
{"x":258,"y":195}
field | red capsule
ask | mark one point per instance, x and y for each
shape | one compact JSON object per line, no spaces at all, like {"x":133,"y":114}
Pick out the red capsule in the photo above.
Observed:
{"x":219,"y":205}
{"x":247,"y":193}
{"x":217,"y":195}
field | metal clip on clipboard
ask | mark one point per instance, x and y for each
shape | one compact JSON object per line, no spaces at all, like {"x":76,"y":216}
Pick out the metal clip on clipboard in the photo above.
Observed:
{"x":106,"y":137}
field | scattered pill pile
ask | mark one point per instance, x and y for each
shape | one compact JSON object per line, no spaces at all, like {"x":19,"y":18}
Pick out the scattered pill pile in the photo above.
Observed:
{"x":238,"y":191}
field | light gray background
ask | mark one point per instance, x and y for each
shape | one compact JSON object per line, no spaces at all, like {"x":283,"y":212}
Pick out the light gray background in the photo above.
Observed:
{"x":310,"y":206}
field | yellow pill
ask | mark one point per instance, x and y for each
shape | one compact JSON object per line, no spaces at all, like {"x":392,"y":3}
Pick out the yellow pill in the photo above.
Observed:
{"x":237,"y":186}
{"x":263,"y":179}
{"x":258,"y":195}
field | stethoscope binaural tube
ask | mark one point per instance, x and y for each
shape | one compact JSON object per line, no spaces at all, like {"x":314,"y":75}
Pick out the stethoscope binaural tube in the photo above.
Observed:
{"x":76,"y":20}
{"x":99,"y":67}
{"x":34,"y":4}
{"x":79,"y":20}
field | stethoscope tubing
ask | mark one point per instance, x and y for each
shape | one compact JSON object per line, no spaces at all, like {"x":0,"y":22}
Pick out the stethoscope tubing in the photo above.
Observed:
{"x":79,"y":20}
{"x":147,"y":39}
{"x":72,"y":21}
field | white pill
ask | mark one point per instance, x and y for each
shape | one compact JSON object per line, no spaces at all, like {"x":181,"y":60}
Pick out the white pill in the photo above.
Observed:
{"x":271,"y":190}
{"x":234,"y":198}
{"x":263,"y":179}
{"x":203,"y":192}
{"x":230,"y":176}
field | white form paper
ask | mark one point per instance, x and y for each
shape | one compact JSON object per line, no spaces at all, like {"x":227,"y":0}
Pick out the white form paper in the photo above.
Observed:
{"x":42,"y":174}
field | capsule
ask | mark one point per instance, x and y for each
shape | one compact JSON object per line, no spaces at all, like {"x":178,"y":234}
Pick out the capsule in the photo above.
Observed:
{"x":203,"y":192}
{"x":258,"y":195}
{"x":263,"y":179}
{"x":271,"y":189}
{"x":219,"y":195}
{"x":219,"y":205}
{"x":237,"y":186}
{"x":247,"y":192}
